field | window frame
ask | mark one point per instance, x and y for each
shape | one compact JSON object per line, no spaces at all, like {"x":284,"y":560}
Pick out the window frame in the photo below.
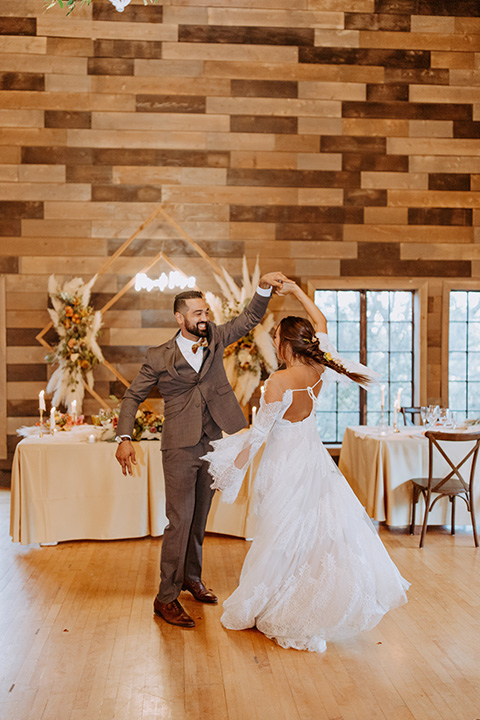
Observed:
{"x":447,"y":287}
{"x":419,"y":287}
{"x":3,"y":370}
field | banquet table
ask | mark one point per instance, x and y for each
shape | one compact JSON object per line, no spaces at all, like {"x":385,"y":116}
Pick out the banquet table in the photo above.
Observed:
{"x":379,"y":467}
{"x":70,"y":490}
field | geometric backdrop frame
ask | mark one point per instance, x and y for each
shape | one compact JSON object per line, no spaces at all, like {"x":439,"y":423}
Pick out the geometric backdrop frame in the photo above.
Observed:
{"x":159,"y":212}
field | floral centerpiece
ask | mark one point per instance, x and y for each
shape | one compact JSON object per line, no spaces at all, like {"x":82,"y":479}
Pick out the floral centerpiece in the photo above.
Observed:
{"x":64,"y":422}
{"x":77,"y":352}
{"x":148,"y":425}
{"x":246,"y":359}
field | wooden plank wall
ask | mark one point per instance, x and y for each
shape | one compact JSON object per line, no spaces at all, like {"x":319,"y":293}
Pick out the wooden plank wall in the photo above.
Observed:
{"x":334,"y":138}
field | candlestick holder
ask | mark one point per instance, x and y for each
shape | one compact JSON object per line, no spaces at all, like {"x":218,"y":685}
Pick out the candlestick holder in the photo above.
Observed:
{"x":382,"y":428}
{"x":395,"y":421}
{"x":41,"y":423}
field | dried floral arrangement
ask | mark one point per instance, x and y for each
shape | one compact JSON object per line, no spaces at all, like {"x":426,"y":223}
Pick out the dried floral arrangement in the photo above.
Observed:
{"x":77,"y":352}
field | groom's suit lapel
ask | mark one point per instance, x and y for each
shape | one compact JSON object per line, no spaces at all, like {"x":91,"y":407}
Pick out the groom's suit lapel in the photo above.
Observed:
{"x":209,"y":352}
{"x":170,"y":356}
{"x":170,"y":350}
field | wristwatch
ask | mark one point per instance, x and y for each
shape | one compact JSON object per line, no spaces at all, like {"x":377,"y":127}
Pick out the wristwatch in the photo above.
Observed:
{"x":120,"y":438}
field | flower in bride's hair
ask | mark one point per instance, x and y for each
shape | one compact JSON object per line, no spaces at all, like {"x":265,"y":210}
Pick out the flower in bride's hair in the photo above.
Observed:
{"x":307,"y":340}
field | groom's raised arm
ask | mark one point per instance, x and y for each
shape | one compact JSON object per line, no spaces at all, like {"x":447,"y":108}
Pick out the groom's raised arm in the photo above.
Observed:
{"x":238,"y":327}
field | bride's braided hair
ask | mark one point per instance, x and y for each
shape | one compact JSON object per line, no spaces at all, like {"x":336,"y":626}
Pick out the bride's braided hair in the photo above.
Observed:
{"x":300,"y":335}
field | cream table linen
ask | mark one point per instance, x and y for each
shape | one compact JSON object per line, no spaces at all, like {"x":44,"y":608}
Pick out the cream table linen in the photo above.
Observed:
{"x":63,"y":490}
{"x":378,"y":468}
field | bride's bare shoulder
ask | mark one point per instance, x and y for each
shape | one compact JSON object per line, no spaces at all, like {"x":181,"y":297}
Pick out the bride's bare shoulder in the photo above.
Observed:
{"x":276,"y":385}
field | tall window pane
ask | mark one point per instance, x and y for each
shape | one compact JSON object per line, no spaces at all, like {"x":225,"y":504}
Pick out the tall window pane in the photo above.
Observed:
{"x":464,"y":353}
{"x":339,"y":406}
{"x":376,"y":327}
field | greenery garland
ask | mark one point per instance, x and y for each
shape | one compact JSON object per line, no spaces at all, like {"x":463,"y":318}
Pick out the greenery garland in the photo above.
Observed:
{"x":70,"y":5}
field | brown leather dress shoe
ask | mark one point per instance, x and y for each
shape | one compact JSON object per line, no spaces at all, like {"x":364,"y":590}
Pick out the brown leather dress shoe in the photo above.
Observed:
{"x":173,"y":613}
{"x":199,"y":591}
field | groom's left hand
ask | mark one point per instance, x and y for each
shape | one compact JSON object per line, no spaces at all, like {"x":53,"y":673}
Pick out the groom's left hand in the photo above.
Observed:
{"x":273,"y":280}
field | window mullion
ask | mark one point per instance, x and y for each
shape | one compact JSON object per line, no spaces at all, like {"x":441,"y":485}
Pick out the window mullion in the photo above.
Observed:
{"x":363,"y":353}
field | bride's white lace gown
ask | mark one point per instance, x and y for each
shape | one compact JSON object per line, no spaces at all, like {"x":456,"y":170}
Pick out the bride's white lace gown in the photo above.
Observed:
{"x":317,"y":570}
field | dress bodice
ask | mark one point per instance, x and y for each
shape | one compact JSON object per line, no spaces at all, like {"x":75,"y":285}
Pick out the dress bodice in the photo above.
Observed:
{"x":288,"y":400}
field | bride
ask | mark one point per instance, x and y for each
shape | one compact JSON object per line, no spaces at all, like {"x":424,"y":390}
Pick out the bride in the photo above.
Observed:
{"x":317,"y":570}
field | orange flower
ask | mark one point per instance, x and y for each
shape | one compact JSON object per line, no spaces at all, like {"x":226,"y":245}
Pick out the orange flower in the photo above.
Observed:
{"x":68,"y":310}
{"x":67,"y":324}
{"x":84,"y":364}
{"x":71,"y":342}
{"x":76,"y":319}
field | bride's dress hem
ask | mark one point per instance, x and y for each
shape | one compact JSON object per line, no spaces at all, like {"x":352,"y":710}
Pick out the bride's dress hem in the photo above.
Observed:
{"x":316,"y":571}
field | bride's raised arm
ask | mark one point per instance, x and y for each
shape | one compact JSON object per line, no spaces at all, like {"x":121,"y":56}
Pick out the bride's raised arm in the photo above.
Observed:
{"x":317,"y":318}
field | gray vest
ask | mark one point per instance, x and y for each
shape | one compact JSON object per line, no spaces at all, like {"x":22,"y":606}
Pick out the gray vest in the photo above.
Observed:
{"x":184,"y":369}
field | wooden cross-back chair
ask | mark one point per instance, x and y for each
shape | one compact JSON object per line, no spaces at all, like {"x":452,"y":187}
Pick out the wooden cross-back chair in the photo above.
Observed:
{"x":451,"y":484}
{"x":411,"y":415}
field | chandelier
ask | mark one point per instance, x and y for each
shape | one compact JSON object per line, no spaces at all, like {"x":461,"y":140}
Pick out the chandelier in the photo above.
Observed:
{"x":120,"y":5}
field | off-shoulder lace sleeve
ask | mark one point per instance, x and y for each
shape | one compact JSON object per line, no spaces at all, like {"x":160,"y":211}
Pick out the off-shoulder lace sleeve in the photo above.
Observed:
{"x":240,"y":449}
{"x":330,"y":375}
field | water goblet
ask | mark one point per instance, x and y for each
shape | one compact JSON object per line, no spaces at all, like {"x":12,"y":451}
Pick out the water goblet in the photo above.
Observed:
{"x":444,"y":416}
{"x":450,"y":419}
{"x":433,"y":412}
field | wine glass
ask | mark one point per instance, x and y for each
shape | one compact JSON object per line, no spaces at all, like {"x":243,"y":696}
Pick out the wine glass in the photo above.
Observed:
{"x":424,"y":414}
{"x":433,"y":414}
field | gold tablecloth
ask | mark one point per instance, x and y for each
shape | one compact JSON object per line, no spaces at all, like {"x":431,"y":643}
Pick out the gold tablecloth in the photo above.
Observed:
{"x":65,"y":490}
{"x":379,"y":468}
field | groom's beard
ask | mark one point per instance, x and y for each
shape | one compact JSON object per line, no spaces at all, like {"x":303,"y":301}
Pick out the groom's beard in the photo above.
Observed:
{"x":199,"y":329}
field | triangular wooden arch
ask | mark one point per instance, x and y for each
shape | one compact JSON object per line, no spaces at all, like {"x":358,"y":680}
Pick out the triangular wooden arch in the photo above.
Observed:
{"x":159,"y":212}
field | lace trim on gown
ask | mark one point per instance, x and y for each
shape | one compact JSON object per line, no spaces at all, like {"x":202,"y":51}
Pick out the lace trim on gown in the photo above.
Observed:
{"x":227,"y":477}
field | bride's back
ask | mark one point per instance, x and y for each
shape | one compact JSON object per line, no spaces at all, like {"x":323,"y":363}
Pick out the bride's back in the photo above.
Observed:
{"x":298,"y":378}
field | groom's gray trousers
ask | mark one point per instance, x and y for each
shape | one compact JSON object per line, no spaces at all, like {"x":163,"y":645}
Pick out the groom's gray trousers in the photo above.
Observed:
{"x":188,"y":497}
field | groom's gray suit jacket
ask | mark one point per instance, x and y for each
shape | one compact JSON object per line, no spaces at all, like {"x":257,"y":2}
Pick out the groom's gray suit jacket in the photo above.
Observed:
{"x":186,"y":398}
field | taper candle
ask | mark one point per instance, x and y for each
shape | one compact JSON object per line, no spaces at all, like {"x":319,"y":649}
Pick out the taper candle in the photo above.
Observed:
{"x":41,"y":401}
{"x":52,"y":419}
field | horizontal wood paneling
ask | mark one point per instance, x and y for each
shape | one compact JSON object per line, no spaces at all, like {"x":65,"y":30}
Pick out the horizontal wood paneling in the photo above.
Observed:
{"x":330,"y":137}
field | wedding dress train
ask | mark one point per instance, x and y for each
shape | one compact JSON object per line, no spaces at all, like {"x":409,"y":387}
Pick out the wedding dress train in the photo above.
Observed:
{"x":316,"y":570}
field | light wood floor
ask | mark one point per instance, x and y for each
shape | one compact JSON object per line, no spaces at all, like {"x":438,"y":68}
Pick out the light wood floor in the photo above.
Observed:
{"x":78,"y":641}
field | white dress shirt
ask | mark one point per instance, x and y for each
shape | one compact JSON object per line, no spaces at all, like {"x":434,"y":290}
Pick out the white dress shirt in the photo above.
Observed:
{"x":185,"y":345}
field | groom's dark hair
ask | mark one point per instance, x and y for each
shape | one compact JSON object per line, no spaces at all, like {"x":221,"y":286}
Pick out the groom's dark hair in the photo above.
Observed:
{"x":180,"y":305}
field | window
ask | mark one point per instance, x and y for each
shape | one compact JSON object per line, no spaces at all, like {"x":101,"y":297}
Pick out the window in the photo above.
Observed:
{"x":376,"y":327}
{"x":464,"y":353}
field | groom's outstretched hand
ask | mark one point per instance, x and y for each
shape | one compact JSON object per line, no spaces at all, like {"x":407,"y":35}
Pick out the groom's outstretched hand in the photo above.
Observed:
{"x":126,"y":456}
{"x":274,"y":280}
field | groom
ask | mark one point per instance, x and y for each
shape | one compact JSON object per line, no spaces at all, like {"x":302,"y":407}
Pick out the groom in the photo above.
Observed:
{"x":199,"y":405}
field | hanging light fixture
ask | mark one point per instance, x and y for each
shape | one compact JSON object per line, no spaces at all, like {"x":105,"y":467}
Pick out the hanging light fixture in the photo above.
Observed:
{"x":120,"y":5}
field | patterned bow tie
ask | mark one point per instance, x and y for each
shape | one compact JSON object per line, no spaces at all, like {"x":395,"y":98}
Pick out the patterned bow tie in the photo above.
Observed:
{"x":201,"y":343}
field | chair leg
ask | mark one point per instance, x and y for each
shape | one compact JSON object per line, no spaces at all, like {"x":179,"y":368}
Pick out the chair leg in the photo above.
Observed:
{"x":425,"y":518}
{"x":414,"y":507}
{"x":452,"y":500}
{"x":474,"y":525}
